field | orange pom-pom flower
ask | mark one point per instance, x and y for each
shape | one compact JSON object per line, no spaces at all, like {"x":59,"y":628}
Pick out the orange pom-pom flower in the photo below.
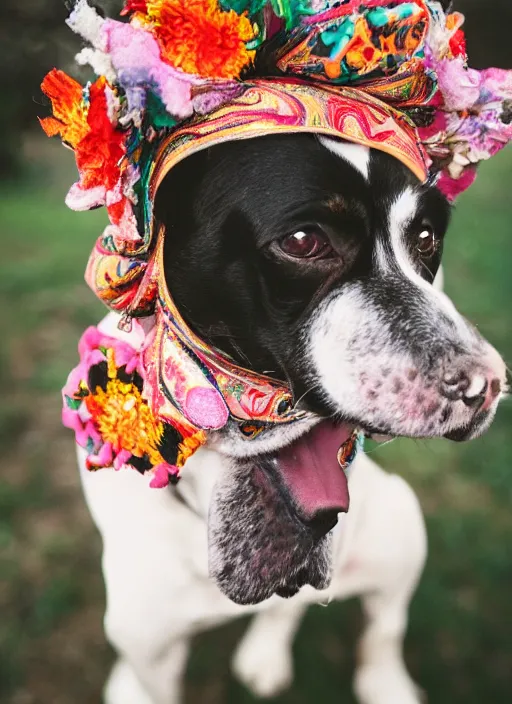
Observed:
{"x":99,"y":154}
{"x":82,"y":119}
{"x":200,"y":38}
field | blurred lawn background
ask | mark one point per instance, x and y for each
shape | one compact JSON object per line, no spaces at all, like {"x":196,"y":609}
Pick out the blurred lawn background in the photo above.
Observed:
{"x":52,"y":648}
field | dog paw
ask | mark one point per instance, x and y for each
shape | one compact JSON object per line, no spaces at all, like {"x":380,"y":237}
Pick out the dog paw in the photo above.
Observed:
{"x":265,"y":671}
{"x":123,"y":687}
{"x":386,"y":685}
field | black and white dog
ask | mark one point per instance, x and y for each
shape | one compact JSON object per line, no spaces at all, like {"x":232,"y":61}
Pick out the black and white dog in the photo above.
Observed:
{"x":314,"y":261}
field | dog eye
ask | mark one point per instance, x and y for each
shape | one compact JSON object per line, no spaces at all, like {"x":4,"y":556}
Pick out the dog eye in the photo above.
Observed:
{"x":306,"y":244}
{"x":427,"y":242}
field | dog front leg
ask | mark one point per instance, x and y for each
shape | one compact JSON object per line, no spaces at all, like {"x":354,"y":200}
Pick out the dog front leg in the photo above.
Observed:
{"x":164,"y":679}
{"x":381,"y":676}
{"x":156,"y":681}
{"x":381,"y":555}
{"x":263,"y":661}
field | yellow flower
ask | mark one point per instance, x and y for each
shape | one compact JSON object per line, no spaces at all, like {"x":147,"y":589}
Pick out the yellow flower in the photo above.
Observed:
{"x":123,"y":417}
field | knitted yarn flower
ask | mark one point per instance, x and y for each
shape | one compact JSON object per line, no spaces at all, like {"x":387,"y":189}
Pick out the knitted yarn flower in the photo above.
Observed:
{"x":197,"y":36}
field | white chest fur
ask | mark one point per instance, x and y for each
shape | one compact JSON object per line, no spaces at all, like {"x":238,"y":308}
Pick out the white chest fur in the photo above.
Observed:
{"x":159,"y":595}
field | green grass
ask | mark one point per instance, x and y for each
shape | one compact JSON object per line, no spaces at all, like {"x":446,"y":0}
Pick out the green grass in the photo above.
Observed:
{"x":51,"y":643}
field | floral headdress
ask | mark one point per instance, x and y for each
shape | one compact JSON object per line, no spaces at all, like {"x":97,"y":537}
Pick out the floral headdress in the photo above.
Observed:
{"x":177,"y":76}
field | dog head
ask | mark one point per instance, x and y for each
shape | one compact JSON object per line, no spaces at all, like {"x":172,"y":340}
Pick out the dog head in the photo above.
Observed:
{"x":313,"y":261}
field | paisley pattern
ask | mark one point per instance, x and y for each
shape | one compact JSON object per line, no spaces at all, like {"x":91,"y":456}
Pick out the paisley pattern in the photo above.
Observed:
{"x":341,"y":47}
{"x":125,"y":280}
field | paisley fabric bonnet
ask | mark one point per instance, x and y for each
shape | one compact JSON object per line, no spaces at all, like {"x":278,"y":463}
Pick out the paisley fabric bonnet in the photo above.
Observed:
{"x":179,"y":76}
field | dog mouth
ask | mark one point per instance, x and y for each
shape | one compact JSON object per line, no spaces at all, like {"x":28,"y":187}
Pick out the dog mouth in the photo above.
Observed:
{"x":271,"y":516}
{"x":311,"y":469}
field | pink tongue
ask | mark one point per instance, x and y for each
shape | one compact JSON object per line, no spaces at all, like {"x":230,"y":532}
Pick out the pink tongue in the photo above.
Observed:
{"x":311,"y":471}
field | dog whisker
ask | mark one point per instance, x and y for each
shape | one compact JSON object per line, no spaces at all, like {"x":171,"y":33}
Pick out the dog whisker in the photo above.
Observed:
{"x":431,"y":276}
{"x":308,"y":391}
{"x":379,"y":446}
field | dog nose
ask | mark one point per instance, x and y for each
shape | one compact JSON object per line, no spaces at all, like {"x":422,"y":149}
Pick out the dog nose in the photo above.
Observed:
{"x":323,"y":521}
{"x":475,"y":392}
